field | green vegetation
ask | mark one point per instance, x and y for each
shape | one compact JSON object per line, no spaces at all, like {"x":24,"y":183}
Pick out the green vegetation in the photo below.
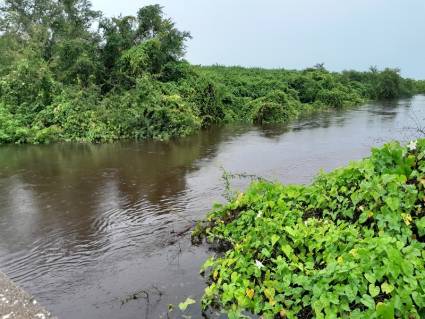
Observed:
{"x":69,"y":74}
{"x":350,"y":245}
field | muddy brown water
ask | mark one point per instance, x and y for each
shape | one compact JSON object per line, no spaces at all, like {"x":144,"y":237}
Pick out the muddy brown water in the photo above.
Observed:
{"x":85,"y":227}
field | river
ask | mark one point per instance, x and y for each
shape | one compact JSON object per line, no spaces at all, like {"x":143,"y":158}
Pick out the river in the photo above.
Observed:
{"x":84,"y":227}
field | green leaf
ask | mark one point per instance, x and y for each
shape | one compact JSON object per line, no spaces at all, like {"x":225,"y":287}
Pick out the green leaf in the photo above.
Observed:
{"x":385,"y":310}
{"x":374,"y":290}
{"x":183,"y":305}
{"x":368,"y":301}
{"x":393,"y":203}
{"x":265,"y":252}
{"x":275,"y":239}
{"x":208,"y":263}
{"x":420,"y":224}
{"x":387,"y":288}
{"x":363,"y":217}
{"x":370,"y":277}
{"x":287,"y":250}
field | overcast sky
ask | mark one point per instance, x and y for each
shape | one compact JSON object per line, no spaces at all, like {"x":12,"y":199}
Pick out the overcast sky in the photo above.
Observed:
{"x":294,"y":34}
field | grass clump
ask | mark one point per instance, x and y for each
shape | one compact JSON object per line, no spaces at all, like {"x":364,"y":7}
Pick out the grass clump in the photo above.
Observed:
{"x":351,"y":244}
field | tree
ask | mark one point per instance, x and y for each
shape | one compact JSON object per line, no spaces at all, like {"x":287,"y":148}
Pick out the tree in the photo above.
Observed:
{"x":388,"y":84}
{"x":142,"y":44}
{"x":59,"y":31}
{"x":21,"y":16}
{"x":150,"y":22}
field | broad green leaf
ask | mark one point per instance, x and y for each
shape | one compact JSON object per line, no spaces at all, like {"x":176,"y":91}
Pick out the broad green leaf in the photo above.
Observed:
{"x":368,"y":301}
{"x":370,"y":277}
{"x":275,"y":239}
{"x":385,"y":310}
{"x":287,"y":250}
{"x":234,"y":276}
{"x":207,"y":264}
{"x":393,"y":203}
{"x":363,"y":217}
{"x":183,"y":305}
{"x":374,"y":290}
{"x":387,"y":288}
{"x":420,"y":224}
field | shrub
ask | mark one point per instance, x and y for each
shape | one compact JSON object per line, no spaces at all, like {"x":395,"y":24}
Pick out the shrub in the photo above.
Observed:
{"x":28,"y":88}
{"x":388,"y":84}
{"x":12,"y":129}
{"x":173,"y":117}
{"x":276,"y":107}
{"x":206,"y":97}
{"x":333,"y":97}
{"x":46,"y":135}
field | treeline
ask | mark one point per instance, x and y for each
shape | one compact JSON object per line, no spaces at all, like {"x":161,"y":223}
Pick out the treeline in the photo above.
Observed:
{"x":270,"y":96}
{"x":67,"y":73}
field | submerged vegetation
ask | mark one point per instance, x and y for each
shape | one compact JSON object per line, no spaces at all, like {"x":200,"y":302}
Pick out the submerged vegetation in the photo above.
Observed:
{"x":351,"y":244}
{"x":67,"y":73}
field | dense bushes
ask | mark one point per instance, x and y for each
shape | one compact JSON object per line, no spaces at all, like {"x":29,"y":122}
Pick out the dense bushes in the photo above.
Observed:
{"x":27,"y":88}
{"x":275,"y":107}
{"x":352,"y":244}
{"x":69,"y":74}
{"x":11,"y":127}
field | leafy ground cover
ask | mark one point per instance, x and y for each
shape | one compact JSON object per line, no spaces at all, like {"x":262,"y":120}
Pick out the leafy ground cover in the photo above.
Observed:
{"x":350,"y":245}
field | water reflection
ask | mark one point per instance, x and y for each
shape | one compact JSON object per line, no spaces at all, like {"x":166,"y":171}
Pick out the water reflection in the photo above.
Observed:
{"x":87,"y":224}
{"x":67,"y":206}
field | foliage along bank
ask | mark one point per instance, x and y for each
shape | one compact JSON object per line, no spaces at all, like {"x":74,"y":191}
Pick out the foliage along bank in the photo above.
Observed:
{"x":351,"y":244}
{"x":67,"y":73}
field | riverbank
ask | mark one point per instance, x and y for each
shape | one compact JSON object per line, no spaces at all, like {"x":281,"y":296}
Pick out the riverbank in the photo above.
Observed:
{"x":351,"y":243}
{"x":15,"y":303}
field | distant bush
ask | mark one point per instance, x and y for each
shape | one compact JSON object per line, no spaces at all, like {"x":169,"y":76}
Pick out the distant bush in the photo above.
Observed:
{"x":205,"y":96}
{"x":333,"y":97}
{"x":276,"y":107}
{"x":388,"y":85}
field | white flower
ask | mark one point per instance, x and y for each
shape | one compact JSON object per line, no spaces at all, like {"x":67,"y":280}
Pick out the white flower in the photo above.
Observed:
{"x":259,"y":264}
{"x":260,"y":213}
{"x":412,"y":145}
